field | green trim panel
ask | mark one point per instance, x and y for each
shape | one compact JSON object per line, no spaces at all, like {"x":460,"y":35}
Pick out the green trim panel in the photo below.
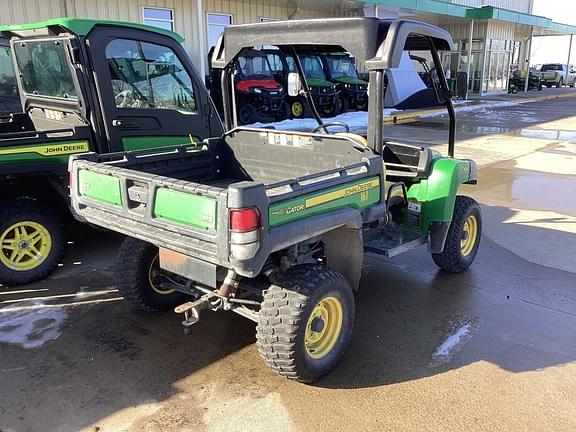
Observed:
{"x":350,"y":80}
{"x":81,"y":26}
{"x":358,"y":194}
{"x":58,"y":151}
{"x":437,"y":193}
{"x":148,"y":142}
{"x":187,"y":209}
{"x":100,"y":187}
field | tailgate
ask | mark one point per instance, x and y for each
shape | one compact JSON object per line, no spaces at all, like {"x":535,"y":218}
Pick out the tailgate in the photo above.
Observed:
{"x":179,"y":215}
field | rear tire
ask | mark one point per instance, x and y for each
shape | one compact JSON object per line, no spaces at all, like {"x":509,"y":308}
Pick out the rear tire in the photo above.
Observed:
{"x":463,"y":237}
{"x":31,"y":241}
{"x":138,"y":278}
{"x":306,"y":321}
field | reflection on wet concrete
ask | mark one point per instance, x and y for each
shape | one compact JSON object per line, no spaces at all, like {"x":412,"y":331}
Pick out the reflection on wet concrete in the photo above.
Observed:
{"x":527,"y":189}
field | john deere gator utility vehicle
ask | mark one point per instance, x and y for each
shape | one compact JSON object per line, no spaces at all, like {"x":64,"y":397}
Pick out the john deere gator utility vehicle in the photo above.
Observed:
{"x":85,"y":86}
{"x":341,"y":69}
{"x":273,"y":225}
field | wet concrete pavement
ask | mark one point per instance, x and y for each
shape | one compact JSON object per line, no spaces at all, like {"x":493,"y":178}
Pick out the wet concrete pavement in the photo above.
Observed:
{"x":490,"y":349}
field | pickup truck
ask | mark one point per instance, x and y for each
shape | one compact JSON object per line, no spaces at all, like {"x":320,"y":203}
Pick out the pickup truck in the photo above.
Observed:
{"x":557,"y":74}
{"x":274,"y":225}
{"x":85,"y":86}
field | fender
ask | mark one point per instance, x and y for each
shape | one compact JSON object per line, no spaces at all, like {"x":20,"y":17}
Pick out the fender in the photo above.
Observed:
{"x":437,"y":196}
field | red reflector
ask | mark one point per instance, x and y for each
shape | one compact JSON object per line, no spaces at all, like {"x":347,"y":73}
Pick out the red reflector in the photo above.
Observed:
{"x":244,"y":220}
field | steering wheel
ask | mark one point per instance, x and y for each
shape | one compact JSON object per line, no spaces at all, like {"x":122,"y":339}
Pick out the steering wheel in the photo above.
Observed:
{"x":324,"y":126}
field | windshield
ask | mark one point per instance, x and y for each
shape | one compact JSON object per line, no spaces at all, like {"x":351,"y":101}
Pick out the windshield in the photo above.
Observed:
{"x":341,"y":66}
{"x":312,"y":66}
{"x":551,"y":67}
{"x":255,"y":66}
{"x":44,"y":68}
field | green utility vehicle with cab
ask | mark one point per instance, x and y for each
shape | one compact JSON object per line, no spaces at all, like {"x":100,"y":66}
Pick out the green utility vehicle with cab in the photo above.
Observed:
{"x":85,"y":86}
{"x":273,"y":225}
{"x":325,"y":94}
{"x":341,"y":69}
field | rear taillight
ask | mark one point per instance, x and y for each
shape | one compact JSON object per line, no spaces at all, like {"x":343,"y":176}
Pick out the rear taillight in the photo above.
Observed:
{"x":244,"y":220}
{"x":244,"y":233}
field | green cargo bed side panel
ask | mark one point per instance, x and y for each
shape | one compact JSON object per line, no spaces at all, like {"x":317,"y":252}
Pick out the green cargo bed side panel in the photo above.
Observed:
{"x":185,"y":208}
{"x":358,"y":194}
{"x":148,"y":142}
{"x":438,"y":192}
{"x":100,"y":187}
{"x":54,"y":151}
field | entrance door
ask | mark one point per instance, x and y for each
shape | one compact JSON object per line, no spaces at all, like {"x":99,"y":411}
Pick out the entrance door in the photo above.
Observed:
{"x":148,"y":90}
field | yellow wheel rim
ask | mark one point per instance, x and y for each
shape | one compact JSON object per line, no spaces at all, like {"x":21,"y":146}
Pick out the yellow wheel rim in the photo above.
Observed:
{"x":297,"y":109}
{"x":25,"y":246}
{"x":469,"y":235}
{"x":154,"y":277}
{"x":323,"y":327}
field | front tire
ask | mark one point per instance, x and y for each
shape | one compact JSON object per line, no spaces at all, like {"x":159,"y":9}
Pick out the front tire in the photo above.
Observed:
{"x":463,"y":237}
{"x":139,"y":278}
{"x":305,"y":323}
{"x":31,"y":241}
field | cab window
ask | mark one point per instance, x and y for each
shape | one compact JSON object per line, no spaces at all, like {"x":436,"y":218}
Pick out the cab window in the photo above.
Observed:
{"x":44,"y":69}
{"x":148,"y":76}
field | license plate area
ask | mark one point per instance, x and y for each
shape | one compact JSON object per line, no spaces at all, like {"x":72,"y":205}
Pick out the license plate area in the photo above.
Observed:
{"x":199,"y":271}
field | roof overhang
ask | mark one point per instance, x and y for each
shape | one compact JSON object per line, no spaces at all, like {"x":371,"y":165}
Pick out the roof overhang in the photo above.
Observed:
{"x":542,"y":25}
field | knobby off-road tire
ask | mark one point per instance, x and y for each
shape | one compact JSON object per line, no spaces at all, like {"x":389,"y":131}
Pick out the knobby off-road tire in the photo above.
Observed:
{"x":138,"y":278}
{"x":306,"y":322}
{"x":463,"y":237}
{"x":31,"y":241}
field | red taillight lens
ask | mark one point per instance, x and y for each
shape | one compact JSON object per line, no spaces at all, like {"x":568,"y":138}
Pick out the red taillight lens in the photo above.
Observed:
{"x":244,"y":220}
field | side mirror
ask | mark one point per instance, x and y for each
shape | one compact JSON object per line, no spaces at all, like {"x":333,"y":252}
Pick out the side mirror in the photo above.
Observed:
{"x":294,"y":84}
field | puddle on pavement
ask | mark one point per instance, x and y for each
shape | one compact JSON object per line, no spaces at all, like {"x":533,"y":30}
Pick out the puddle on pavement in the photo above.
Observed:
{"x":527,"y":189}
{"x":29,"y":325}
{"x":546,"y":134}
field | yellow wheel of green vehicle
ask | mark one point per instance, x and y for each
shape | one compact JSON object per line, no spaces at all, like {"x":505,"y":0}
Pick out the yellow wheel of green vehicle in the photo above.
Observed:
{"x":297,"y":109}
{"x":31,"y":241}
{"x":25,"y":245}
{"x":142,"y":282}
{"x":305,"y":322}
{"x":463,"y":238}
{"x":323,"y":327}
{"x":155,"y":277}
{"x":469,"y":235}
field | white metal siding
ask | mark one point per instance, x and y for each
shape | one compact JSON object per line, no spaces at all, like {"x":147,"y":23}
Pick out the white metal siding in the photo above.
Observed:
{"x":19,"y":11}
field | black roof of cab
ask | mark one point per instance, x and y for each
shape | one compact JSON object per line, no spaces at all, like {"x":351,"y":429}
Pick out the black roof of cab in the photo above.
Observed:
{"x":377,"y":42}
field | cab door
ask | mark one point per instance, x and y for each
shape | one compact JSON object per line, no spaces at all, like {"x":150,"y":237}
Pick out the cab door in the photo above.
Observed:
{"x":148,"y":90}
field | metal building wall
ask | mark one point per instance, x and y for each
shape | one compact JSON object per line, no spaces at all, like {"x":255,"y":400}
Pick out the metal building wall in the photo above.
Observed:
{"x":524,"y":6}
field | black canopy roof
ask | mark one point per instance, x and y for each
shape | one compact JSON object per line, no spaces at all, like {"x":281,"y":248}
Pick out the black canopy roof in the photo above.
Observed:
{"x":379,"y":43}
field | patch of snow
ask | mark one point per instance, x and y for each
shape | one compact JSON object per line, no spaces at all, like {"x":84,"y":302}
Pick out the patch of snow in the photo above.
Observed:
{"x":30,"y":327}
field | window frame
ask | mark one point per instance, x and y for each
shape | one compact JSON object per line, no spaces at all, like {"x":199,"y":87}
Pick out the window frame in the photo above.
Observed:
{"x":171,"y":21}
{"x":208,"y":14}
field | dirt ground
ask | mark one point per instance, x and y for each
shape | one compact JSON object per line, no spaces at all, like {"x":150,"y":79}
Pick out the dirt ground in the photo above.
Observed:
{"x":493,"y":349}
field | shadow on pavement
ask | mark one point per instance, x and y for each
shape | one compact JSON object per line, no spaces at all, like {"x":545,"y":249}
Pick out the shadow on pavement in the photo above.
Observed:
{"x":414,"y":321}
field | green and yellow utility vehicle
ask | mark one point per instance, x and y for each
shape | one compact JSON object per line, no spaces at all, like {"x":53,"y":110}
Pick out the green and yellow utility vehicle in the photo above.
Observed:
{"x":340,"y":69}
{"x":85,"y":86}
{"x":273,"y":225}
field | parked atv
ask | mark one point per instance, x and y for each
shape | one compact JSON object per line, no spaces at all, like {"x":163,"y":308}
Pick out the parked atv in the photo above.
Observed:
{"x":516,"y":82}
{"x":259,"y":96}
{"x":353,"y":90}
{"x":324,"y":93}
